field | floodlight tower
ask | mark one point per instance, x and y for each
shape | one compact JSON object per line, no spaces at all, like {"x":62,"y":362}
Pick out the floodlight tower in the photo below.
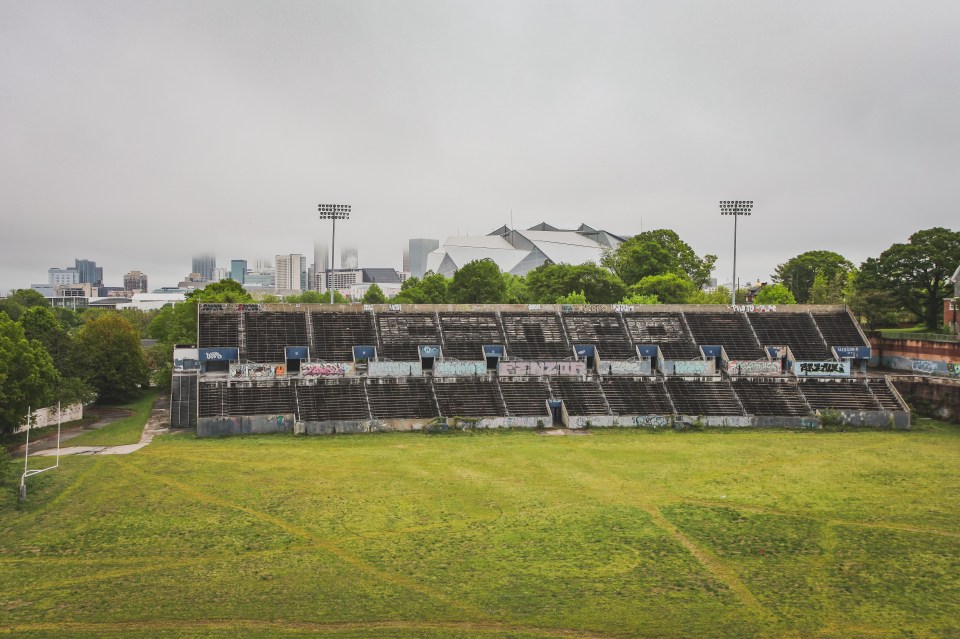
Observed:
{"x":736,"y":208}
{"x":333,"y":212}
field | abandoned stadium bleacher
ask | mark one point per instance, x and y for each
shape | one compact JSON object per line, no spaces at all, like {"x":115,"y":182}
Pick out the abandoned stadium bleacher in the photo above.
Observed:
{"x":516,"y":366}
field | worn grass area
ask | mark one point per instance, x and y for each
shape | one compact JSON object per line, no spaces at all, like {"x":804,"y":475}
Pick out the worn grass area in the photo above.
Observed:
{"x":503,"y":534}
{"x":124,"y":431}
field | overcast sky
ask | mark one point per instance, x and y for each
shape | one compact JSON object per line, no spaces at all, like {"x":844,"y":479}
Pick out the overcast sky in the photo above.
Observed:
{"x":138,"y":133}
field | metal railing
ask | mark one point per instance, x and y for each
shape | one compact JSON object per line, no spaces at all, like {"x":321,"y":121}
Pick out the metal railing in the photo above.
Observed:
{"x":921,"y":337}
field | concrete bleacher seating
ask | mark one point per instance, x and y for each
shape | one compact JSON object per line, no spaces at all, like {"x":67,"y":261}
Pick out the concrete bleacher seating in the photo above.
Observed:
{"x":268,"y":333}
{"x":465,"y":334}
{"x":468,"y":398}
{"x":696,"y":397}
{"x":602,"y":330}
{"x":667,"y":330}
{"x":632,"y":397}
{"x":535,"y":336}
{"x":218,"y":329}
{"x":730,"y":330}
{"x":839,"y":395}
{"x":838,"y":329}
{"x":262,"y":334}
{"x":771,"y":398}
{"x":332,"y":401}
{"x":884,"y":394}
{"x":581,"y":398}
{"x":526,"y":398}
{"x":402,"y":333}
{"x":408,"y":399}
{"x":796,"y":329}
{"x":335,"y":335}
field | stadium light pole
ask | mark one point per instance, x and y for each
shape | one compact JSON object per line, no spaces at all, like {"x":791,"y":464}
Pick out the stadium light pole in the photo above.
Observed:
{"x":333,"y":212}
{"x":736,"y":208}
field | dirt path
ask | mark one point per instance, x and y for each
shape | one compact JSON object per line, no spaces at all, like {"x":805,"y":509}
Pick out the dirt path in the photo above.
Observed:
{"x":157,"y":424}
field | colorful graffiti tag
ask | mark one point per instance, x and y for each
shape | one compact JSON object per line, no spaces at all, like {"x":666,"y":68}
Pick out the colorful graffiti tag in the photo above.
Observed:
{"x":537,"y":369}
{"x":326,"y":369}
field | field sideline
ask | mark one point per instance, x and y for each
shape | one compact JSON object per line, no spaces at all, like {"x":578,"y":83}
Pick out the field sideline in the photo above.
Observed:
{"x":618,"y":533}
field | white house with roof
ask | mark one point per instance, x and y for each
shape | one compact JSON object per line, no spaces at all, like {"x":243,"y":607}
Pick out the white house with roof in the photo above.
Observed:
{"x":520,"y":251}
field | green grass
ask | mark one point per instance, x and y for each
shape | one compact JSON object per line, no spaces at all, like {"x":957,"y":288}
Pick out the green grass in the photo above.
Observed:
{"x":124,"y":431}
{"x":502,"y":534}
{"x":15,"y":440}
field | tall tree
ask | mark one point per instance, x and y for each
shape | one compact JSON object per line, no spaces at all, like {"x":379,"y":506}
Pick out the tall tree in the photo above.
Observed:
{"x":20,"y":300}
{"x":774,"y":294}
{"x":798,"y":273}
{"x":27,"y":376}
{"x":918,"y":272}
{"x":478,"y":282}
{"x":114,"y":363}
{"x":374,"y":295}
{"x":548,"y":282}
{"x":669,"y":288}
{"x":657,"y":253}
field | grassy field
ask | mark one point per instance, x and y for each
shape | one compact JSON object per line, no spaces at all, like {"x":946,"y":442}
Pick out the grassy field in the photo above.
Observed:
{"x":124,"y":431}
{"x":503,"y":534}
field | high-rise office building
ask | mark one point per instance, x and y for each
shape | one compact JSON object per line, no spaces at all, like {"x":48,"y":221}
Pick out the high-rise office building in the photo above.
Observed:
{"x":204,"y":264}
{"x":288,"y":273}
{"x":135,"y":281}
{"x":89,"y":272}
{"x":419,"y":250}
{"x":350,"y":258}
{"x":63,"y":276}
{"x":238,"y":270}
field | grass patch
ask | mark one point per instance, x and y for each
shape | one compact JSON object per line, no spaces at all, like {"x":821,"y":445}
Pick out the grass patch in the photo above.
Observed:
{"x":124,"y":431}
{"x":15,"y":440}
{"x":505,"y":534}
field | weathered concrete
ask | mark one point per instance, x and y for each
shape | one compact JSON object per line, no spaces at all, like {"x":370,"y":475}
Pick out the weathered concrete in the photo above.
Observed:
{"x":931,"y":397}
{"x":244,"y":425}
{"x":917,"y":356}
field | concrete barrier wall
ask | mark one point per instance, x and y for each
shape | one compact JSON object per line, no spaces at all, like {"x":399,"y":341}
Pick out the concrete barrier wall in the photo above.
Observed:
{"x":49,"y":416}
{"x":244,"y":425}
{"x":931,"y":397}
{"x":917,"y":356}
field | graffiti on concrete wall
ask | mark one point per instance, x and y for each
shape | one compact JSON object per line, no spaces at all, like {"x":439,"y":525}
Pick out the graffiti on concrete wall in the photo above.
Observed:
{"x":536,"y":369}
{"x":394,"y":369}
{"x":326,"y":369}
{"x":639,"y":367}
{"x":48,"y":416}
{"x":257,"y":371}
{"x":922,"y":366}
{"x":692,"y":367}
{"x":822,"y":369}
{"x":753,"y":368}
{"x":754,"y":308}
{"x":453,"y":368}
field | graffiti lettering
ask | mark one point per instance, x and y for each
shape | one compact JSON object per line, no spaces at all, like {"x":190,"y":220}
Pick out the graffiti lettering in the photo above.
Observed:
{"x":394,"y":307}
{"x":656,"y":421}
{"x":693,"y":367}
{"x":641,"y":367}
{"x":213,"y":355}
{"x":256,"y":371}
{"x":533,"y":307}
{"x":622,"y":308}
{"x":394,"y":369}
{"x":754,"y":308}
{"x":753,"y":367}
{"x":326,"y":369}
{"x":451,"y":368}
{"x":823,"y":369}
{"x":537,"y":369}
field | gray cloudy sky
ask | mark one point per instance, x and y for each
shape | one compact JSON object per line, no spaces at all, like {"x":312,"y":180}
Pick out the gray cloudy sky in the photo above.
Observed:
{"x":137,"y":133}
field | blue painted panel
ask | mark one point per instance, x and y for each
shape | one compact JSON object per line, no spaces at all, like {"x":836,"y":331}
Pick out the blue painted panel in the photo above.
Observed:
{"x":711,"y":351}
{"x":584,"y":350}
{"x":493,"y":350}
{"x":647,"y":350}
{"x":854,"y":352}
{"x":221,"y":354}
{"x":297,"y":352}
{"x":364,"y":352}
{"x":429,"y":350}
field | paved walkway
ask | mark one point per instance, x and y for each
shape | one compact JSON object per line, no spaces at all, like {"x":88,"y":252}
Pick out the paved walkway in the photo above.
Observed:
{"x":157,"y":424}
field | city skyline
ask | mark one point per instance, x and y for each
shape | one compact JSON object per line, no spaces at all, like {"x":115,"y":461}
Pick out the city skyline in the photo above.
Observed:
{"x":146,"y":133}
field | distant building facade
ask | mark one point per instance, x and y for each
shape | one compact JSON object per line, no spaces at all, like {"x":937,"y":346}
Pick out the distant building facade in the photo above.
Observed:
{"x":204,"y":264}
{"x":135,"y":281}
{"x":289,"y":272}
{"x":350,"y":258}
{"x":417,"y":252}
{"x":90,"y":273}
{"x":238,"y":270}
{"x":63,"y":276}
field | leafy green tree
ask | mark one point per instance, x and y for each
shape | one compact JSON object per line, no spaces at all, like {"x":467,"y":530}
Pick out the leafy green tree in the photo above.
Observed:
{"x":669,"y":288}
{"x":39,"y":323}
{"x":548,"y":282}
{"x":657,"y":253}
{"x":432,"y":289}
{"x":636,"y":298}
{"x":826,"y":290}
{"x":478,"y":282}
{"x":918,"y":272}
{"x":27,"y":376}
{"x":774,"y":294}
{"x":113,"y":360}
{"x":515,"y":289}
{"x":871,"y":301}
{"x":798,"y":273}
{"x":20,"y":300}
{"x":374,"y":295}
{"x":572,"y":298}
